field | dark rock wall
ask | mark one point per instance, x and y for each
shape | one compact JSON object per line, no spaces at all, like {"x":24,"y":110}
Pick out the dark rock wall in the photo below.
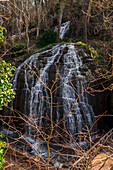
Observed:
{"x":101,"y":101}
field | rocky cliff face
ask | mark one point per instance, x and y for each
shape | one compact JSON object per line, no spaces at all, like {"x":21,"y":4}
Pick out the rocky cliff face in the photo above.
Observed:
{"x":70,"y":72}
{"x":99,"y":99}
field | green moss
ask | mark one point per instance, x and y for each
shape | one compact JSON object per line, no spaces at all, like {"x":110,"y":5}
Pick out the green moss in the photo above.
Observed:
{"x":91,"y":50}
{"x":83,"y":44}
{"x":50,"y":45}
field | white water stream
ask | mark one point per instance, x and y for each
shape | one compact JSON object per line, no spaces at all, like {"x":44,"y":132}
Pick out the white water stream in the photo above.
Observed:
{"x":64,"y":28}
{"x":82,"y":113}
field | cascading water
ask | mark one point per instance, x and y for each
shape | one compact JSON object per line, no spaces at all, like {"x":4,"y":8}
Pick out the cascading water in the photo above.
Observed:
{"x":32,"y":82}
{"x":70,"y":95}
{"x":64,"y":28}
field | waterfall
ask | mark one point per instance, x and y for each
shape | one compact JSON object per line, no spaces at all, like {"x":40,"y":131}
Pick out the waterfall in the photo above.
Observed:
{"x":70,"y":95}
{"x":64,"y":28}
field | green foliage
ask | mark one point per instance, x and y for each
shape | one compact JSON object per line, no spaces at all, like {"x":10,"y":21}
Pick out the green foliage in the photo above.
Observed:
{"x":89,"y":49}
{"x":48,"y":37}
{"x":2,"y":147}
{"x":83,"y":44}
{"x":93,"y":52}
{"x":17,"y":47}
{"x":17,"y":51}
{"x":6,"y":91}
{"x":1,"y":34}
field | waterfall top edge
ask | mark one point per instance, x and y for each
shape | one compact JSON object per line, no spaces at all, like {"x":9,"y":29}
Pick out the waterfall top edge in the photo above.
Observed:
{"x":47,"y":49}
{"x":56,"y":45}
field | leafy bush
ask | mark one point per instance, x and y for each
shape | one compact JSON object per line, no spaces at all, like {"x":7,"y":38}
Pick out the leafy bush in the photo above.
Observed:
{"x":48,"y":37}
{"x":6,"y":91}
{"x":2,"y":147}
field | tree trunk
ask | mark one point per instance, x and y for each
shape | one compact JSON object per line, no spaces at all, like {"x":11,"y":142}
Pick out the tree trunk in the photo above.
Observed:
{"x":62,"y":5}
{"x":84,"y":22}
{"x":85,"y":28}
{"x":39,"y":18}
{"x":37,"y":34}
{"x":89,"y":12}
{"x":26,"y":31}
{"x":20,"y":20}
{"x":112,"y":62}
{"x":26,"y":23}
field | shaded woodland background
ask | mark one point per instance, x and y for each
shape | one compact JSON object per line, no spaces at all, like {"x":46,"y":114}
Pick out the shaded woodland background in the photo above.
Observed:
{"x":91,"y":21}
{"x":26,"y":20}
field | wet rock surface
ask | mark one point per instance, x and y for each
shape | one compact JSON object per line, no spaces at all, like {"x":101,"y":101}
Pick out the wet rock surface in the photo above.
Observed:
{"x":74,"y":69}
{"x":88,"y":69}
